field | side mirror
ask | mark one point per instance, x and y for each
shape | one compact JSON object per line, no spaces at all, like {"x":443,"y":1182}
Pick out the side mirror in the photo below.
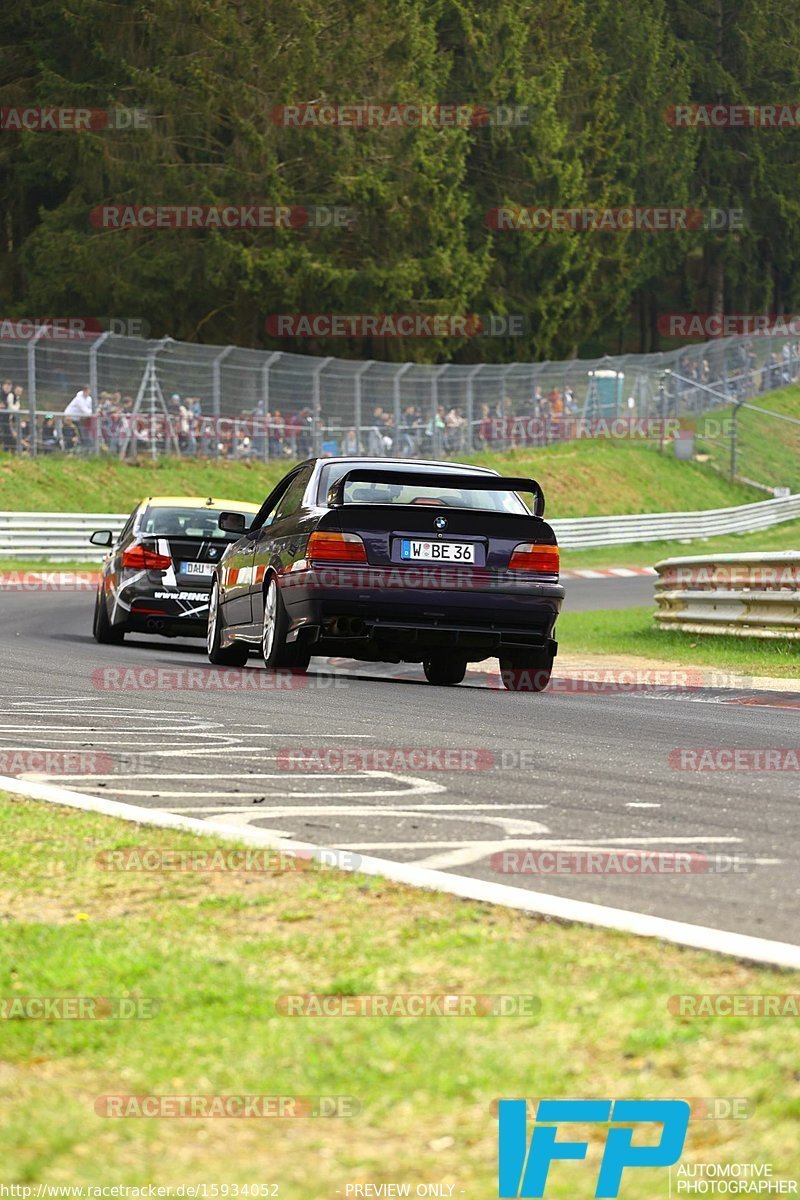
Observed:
{"x":232,"y":522}
{"x":102,"y":537}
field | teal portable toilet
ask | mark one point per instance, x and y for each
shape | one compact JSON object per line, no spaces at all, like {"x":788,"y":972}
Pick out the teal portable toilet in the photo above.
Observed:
{"x":604,"y":394}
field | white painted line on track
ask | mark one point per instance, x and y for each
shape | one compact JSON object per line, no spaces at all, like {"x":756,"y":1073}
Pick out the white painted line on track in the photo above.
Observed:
{"x":463,"y":853}
{"x":283,"y":810}
{"x":416,"y":787}
{"x":700,"y":937}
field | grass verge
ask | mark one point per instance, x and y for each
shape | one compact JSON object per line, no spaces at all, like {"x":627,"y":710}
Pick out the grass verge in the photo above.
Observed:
{"x":632,"y":631}
{"x":579,"y":479}
{"x":216,"y":951}
{"x":768,"y":449}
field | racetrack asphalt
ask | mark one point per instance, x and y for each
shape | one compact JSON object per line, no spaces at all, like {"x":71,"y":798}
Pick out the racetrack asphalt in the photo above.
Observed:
{"x":570,"y":769}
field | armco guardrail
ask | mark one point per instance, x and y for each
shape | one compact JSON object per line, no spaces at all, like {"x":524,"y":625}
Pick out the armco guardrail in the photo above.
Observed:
{"x":582,"y":532}
{"x":747,"y":595}
{"x":54,"y":535}
{"x":66,"y":535}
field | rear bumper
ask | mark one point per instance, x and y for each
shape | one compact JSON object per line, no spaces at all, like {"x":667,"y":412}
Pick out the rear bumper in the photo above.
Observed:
{"x":405,"y":613}
{"x":182,"y":613}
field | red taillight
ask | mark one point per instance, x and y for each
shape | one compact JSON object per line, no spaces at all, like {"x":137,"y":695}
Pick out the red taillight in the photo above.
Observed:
{"x":141,"y":559}
{"x":530,"y":556}
{"x":336,"y":547}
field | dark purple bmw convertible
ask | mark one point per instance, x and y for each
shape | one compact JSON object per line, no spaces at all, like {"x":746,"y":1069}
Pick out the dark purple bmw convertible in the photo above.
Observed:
{"x":392,"y":560}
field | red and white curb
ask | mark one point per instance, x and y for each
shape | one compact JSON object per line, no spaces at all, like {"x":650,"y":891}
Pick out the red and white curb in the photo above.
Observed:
{"x":698,"y":937}
{"x":608,"y":573}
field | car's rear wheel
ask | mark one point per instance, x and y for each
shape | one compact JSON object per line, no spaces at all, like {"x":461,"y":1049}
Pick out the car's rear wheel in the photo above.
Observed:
{"x":277,"y":653}
{"x":445,"y":670}
{"x":526,"y":674}
{"x":104,"y":632}
{"x":219,"y":655}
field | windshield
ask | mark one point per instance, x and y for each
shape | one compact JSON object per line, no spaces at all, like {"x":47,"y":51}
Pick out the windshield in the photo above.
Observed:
{"x":417,"y":493}
{"x":187,"y":523}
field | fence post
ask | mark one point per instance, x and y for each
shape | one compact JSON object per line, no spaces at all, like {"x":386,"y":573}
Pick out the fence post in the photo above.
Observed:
{"x":508,"y":425}
{"x":398,"y":375}
{"x":93,"y":385}
{"x":357,"y":401}
{"x":216,"y":392}
{"x":274,"y":356}
{"x":438,"y":437}
{"x":470,"y":414}
{"x":31,"y":395}
{"x":316,"y":439}
{"x":734,"y":430}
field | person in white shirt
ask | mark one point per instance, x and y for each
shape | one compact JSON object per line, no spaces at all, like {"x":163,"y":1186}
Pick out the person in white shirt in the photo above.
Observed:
{"x":81,"y":404}
{"x":80,"y":408}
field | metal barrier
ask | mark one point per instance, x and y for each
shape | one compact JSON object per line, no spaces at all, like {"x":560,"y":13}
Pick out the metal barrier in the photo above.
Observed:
{"x":55,"y":536}
{"x":583,"y":532}
{"x":743,"y":595}
{"x":65,"y":535}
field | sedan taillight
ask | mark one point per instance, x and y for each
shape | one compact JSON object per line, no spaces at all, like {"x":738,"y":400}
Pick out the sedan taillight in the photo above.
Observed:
{"x":336,"y":547}
{"x":531,"y":556}
{"x":141,"y":559}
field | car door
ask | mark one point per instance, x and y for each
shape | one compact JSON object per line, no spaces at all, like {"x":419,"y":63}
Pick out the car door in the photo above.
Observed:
{"x":237,"y":570}
{"x":280,"y":540}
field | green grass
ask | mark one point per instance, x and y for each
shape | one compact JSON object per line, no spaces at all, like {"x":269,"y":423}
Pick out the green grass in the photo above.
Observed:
{"x":58,"y":484}
{"x":632,"y":631}
{"x":768,"y":449}
{"x":216,"y":951}
{"x":579,"y":479}
{"x":586,"y":479}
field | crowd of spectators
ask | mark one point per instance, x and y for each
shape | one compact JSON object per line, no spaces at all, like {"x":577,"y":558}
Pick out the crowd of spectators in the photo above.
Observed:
{"x":695,"y":382}
{"x":113,"y":425}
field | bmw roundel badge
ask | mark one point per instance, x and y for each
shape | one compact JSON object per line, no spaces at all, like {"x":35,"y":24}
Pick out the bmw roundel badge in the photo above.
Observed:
{"x":441,"y":522}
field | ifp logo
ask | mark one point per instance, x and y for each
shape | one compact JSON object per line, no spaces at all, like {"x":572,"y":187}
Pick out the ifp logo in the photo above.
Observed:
{"x":523,"y":1173}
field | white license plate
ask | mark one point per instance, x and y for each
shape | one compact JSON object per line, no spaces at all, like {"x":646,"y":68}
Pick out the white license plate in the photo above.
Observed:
{"x":463,"y":552}
{"x":196,"y":568}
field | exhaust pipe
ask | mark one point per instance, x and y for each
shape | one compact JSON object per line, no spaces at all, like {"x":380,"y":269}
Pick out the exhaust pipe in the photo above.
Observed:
{"x":154,"y":624}
{"x":348,"y":627}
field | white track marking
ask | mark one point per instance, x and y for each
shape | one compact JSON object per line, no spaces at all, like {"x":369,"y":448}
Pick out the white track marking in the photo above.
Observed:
{"x":640,"y":804}
{"x":283,"y":810}
{"x":177,"y":728}
{"x":417,"y":787}
{"x":248,"y":815}
{"x":701,"y":937}
{"x":463,"y":853}
{"x":467,"y":854}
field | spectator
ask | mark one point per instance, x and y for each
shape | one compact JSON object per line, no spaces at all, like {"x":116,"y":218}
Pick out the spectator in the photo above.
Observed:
{"x":408,"y":434}
{"x":434,"y":430}
{"x":259,"y":427}
{"x":275,"y":428}
{"x":350,"y":443}
{"x":187,"y":442}
{"x":48,"y":436}
{"x":80,"y":409}
{"x":69,"y":435}
{"x":7,"y":439}
{"x":454,"y":429}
